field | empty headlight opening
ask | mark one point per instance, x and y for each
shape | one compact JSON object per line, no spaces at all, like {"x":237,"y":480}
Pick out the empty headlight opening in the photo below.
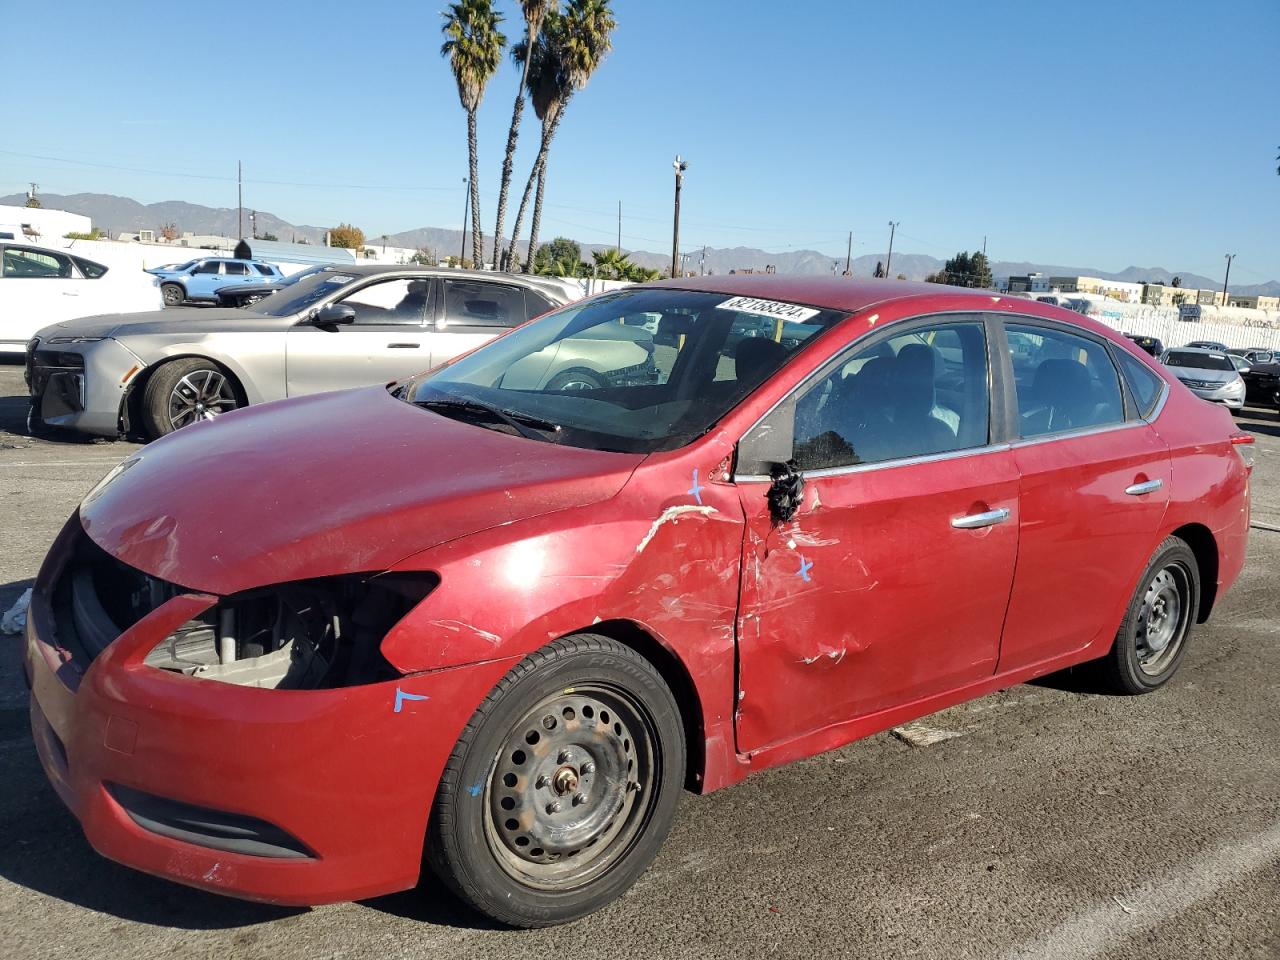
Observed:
{"x":304,"y":635}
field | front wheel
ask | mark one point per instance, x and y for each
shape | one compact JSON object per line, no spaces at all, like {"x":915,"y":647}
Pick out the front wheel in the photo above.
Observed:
{"x":173,"y":294}
{"x":186,"y":391}
{"x":577,"y":378}
{"x":1157,"y":625}
{"x":562,"y":787}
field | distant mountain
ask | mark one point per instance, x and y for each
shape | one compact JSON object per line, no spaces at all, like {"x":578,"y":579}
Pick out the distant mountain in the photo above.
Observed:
{"x":121,"y":214}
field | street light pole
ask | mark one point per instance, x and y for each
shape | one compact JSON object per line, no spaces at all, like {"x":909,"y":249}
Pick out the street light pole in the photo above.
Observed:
{"x":848,"y":256}
{"x":888,"y":261}
{"x":466,"y":208}
{"x":239,"y":200}
{"x":1230,"y":257}
{"x":680,"y":166}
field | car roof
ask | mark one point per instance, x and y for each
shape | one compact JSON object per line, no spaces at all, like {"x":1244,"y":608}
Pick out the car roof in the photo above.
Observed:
{"x":493,"y":276}
{"x":1196,"y":350}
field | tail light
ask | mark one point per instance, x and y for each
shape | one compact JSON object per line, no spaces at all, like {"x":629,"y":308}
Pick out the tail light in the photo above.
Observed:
{"x":1242,"y":444}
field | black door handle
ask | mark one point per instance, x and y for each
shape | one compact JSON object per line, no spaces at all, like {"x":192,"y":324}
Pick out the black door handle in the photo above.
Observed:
{"x":403,"y":346}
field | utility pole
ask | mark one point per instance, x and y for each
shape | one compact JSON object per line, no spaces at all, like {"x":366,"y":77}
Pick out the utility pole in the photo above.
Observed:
{"x":680,"y":166}
{"x":848,"y":257}
{"x":240,"y":200}
{"x":702,"y":264}
{"x":888,"y":261}
{"x":466,"y":208}
{"x":619,"y":226}
{"x":984,"y":246}
{"x":1230,"y":257}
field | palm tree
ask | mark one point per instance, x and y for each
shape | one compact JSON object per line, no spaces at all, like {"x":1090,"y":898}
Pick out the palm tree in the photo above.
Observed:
{"x":570,"y":48}
{"x":612,"y":264}
{"x":474,"y":48}
{"x":535,"y":11}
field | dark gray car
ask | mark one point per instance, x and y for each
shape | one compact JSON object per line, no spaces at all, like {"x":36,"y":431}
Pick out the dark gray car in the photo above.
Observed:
{"x":346,"y":326}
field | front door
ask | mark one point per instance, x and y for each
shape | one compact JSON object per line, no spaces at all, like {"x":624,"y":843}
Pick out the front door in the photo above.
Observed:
{"x":204,"y":280}
{"x":1095,"y":485}
{"x":388,"y":340}
{"x":890,"y":583}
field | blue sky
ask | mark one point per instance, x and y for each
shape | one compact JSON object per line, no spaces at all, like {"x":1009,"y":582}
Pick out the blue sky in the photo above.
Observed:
{"x":1094,"y":134}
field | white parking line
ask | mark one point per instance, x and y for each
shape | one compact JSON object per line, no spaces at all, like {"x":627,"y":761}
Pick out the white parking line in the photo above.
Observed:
{"x":59,"y":463}
{"x":1142,"y":908}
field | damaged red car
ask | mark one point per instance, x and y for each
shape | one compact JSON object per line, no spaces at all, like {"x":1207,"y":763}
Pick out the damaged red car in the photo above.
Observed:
{"x":494,"y":621}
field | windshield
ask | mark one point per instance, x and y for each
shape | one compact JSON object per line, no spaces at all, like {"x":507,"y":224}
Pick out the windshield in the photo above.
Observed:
{"x":638,"y":371}
{"x":1201,"y":361}
{"x":302,"y":291}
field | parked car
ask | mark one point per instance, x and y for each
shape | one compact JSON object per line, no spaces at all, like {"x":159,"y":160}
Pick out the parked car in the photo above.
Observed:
{"x":479,"y":618}
{"x":1209,"y":374}
{"x":1151,"y":345}
{"x":1253,"y":354}
{"x":1207,"y":345}
{"x":149,"y":374}
{"x":200,"y":280}
{"x":1262,"y":382}
{"x":243,"y":295}
{"x":41,"y":285}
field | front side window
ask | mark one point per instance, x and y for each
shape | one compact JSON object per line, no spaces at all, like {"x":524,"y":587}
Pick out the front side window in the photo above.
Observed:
{"x":209,"y":266}
{"x":25,"y":263}
{"x":640,"y":370}
{"x":917,"y":393}
{"x":399,"y":302}
{"x":1064,"y":381}
{"x":476,"y":303}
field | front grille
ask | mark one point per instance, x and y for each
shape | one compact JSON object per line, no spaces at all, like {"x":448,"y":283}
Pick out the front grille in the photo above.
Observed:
{"x":205,"y":827}
{"x":1201,"y":384}
{"x":96,"y":598}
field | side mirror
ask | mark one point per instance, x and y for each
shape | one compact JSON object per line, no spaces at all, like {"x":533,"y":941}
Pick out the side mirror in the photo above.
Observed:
{"x":786,"y":491}
{"x":334,"y":314}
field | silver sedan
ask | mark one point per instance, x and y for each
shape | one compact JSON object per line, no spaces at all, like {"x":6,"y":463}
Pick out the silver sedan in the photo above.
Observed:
{"x":1209,"y":374}
{"x":152,"y":373}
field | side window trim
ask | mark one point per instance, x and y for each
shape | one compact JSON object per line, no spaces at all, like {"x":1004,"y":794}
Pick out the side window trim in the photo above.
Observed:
{"x":780,"y":434}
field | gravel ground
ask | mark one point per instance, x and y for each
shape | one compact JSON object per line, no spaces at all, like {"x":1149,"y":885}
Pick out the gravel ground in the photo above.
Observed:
{"x":1056,"y":822}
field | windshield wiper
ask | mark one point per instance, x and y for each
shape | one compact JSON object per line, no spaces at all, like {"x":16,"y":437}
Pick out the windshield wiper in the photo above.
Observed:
{"x":524,"y":424}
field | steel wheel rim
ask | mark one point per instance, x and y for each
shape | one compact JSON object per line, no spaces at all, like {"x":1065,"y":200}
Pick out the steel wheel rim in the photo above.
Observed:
{"x":171,"y":295}
{"x":200,"y":395}
{"x":578,"y":384}
{"x":572,"y":788}
{"x":1163,"y":619}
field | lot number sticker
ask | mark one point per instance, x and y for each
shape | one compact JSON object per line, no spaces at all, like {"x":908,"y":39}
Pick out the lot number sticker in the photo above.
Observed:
{"x":769,"y":308}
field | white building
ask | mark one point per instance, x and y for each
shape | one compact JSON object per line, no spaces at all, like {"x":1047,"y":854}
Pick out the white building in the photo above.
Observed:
{"x":40,"y":226}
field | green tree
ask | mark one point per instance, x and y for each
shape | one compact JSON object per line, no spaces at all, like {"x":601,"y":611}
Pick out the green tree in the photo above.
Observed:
{"x":569,"y":49}
{"x":347,"y":236}
{"x":559,"y":258}
{"x":535,"y":11}
{"x":965,"y":270}
{"x":474,"y":49}
{"x":425,"y":257}
{"x":94,"y":234}
{"x":612,"y":264}
{"x":269,"y":236}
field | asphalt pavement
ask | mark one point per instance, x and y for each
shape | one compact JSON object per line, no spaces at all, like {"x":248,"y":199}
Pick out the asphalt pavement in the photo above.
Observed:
{"x":1047,"y":820}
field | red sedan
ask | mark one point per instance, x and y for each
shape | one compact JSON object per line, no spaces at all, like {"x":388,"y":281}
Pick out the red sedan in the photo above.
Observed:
{"x":285,"y":654}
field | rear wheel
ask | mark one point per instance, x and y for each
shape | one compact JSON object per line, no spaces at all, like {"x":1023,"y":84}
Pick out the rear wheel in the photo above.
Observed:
{"x":577,"y":379}
{"x":183,"y":392}
{"x":173,"y":294}
{"x":1153,"y":636}
{"x":562,"y":787}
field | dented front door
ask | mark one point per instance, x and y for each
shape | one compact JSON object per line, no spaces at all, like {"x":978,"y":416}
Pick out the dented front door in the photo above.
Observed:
{"x":871,"y":596}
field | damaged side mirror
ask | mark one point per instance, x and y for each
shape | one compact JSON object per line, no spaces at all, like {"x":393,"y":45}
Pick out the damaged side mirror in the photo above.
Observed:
{"x":786,"y":491}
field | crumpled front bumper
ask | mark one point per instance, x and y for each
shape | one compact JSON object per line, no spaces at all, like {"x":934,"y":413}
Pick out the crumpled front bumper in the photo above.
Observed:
{"x":85,"y":396}
{"x":349,"y":774}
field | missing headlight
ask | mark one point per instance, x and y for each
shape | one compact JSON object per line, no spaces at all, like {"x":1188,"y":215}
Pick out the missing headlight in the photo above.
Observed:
{"x":305,"y":635}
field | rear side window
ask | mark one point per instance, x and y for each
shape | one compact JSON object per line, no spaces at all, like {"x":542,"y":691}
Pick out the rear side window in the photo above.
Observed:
{"x":1064,"y":381}
{"x":236,"y":269}
{"x":917,"y":393}
{"x":474,"y":303}
{"x":1142,"y":382}
{"x":90,"y":270}
{"x":263,"y":269}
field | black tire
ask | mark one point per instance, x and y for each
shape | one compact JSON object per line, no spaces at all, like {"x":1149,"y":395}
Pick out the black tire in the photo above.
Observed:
{"x":574,"y":702}
{"x":577,"y":378}
{"x":1167,"y":598}
{"x":173,"y":294}
{"x":181,"y":392}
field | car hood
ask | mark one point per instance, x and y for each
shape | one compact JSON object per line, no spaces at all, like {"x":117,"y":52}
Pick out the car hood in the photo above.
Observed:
{"x":344,"y":482}
{"x":183,"y":320}
{"x":1204,"y":375}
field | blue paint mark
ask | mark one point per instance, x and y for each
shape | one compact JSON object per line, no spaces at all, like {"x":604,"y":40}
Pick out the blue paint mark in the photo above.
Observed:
{"x":401,"y":697}
{"x":696,"y":490}
{"x":475,"y":789}
{"x":805,"y":567}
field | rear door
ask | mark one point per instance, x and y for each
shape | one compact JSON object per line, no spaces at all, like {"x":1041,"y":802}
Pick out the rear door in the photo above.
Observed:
{"x":891,"y":581}
{"x":475,"y":311}
{"x":1095,"y":484}
{"x":387,"y":341}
